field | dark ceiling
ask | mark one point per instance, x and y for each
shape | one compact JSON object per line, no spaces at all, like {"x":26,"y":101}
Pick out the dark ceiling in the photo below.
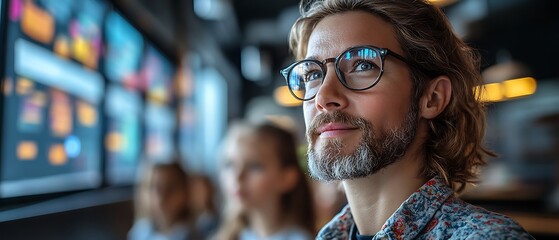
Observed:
{"x":250,"y":11}
{"x":528,"y":30}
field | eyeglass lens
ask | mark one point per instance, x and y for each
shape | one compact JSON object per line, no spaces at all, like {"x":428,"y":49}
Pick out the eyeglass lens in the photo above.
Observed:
{"x":357,"y":68}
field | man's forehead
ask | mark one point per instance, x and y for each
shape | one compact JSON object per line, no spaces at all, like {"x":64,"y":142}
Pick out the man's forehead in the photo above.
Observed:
{"x":322,"y":48}
{"x":338,"y":32}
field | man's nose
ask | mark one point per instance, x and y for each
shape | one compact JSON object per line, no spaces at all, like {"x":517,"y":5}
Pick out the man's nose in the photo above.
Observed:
{"x":332,"y":93}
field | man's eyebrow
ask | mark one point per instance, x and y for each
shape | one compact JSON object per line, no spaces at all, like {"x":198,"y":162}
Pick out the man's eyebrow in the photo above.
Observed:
{"x":311,"y":58}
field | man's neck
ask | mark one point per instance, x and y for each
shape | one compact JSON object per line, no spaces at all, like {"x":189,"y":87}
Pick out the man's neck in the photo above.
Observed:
{"x":373,"y":199}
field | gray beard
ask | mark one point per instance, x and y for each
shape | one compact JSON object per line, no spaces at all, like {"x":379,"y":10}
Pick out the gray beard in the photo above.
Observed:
{"x":374,"y":152}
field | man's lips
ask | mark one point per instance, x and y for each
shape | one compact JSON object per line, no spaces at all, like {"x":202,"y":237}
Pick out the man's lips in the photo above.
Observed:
{"x":334,"y":129}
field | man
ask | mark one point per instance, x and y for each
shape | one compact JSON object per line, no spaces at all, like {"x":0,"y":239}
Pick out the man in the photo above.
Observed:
{"x":390,"y":111}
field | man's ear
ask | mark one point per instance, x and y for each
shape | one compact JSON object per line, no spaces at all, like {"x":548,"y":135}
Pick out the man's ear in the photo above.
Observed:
{"x":436,"y":97}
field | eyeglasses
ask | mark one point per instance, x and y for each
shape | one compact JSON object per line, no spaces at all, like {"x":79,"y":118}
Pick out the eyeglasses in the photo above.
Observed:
{"x":358,"y":68}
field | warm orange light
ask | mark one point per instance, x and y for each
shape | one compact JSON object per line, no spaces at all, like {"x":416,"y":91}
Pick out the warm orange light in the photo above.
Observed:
{"x":27,"y":150}
{"x":441,"y":3}
{"x":491,"y":92}
{"x":284,"y":98}
{"x":506,"y":90}
{"x":519,"y":87}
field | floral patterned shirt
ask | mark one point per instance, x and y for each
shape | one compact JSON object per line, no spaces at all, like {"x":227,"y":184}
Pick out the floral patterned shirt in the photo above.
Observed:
{"x":432,"y":212}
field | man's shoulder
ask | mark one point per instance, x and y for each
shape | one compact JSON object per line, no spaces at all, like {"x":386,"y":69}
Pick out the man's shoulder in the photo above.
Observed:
{"x":468,"y":221}
{"x":457,"y":210}
{"x":338,"y":227}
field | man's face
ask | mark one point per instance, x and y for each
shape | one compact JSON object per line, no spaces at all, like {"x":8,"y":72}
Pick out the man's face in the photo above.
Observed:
{"x":353,"y":134}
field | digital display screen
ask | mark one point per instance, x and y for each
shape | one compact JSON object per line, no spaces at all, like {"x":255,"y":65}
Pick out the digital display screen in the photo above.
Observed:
{"x":160,"y":118}
{"x":123,"y":141}
{"x":125,"y":47}
{"x":160,"y":125}
{"x":123,"y":62}
{"x":158,"y":73}
{"x":187,"y":116}
{"x":51,"y":131}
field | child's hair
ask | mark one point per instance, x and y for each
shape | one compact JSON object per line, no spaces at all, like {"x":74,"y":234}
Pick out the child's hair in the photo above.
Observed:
{"x":295,"y":204}
{"x":142,"y":198}
{"x":203,"y":206}
{"x":208,"y":185}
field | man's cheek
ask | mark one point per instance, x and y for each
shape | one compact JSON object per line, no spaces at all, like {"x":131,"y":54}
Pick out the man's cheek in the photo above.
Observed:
{"x":308,"y":113}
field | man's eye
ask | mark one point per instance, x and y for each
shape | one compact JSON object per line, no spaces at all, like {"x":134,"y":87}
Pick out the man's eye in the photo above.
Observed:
{"x":314,"y":75}
{"x":363,"y":66}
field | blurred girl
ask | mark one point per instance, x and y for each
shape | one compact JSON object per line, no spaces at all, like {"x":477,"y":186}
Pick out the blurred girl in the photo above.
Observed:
{"x":162,"y":205}
{"x":266,"y":193}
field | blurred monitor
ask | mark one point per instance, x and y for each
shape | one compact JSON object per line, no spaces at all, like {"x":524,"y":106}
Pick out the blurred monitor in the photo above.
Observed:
{"x":123,"y":141}
{"x":51,"y":124}
{"x":158,"y":72}
{"x":124,"y":52}
{"x":160,"y":126}
{"x":187,"y":133}
{"x":123,"y":102}
{"x":187,"y":116}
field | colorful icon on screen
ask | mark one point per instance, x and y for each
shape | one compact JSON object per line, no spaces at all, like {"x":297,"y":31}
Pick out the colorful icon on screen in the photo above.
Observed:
{"x":24,"y":86}
{"x":60,"y":114}
{"x":15,"y":10}
{"x":37,"y":23}
{"x":62,"y":46}
{"x":31,"y":112}
{"x":81,"y":49}
{"x":87,"y":114}
{"x":72,"y":146}
{"x":85,"y":32}
{"x":159,"y":75}
{"x":57,"y":155}
{"x":27,"y":150}
{"x":113,"y":142}
{"x":31,"y":106}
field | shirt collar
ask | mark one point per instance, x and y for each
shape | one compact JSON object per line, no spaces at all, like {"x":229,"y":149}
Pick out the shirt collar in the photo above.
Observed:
{"x":418,"y":210}
{"x":406,"y":222}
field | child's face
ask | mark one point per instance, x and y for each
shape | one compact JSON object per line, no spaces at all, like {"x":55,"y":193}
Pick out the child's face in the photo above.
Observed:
{"x":251,"y":172}
{"x":168,"y":196}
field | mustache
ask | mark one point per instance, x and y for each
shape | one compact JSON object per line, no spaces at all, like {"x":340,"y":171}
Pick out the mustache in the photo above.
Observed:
{"x":337,"y":117}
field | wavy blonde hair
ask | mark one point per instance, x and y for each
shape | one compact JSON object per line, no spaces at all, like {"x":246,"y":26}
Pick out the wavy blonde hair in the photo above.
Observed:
{"x":454,"y":149}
